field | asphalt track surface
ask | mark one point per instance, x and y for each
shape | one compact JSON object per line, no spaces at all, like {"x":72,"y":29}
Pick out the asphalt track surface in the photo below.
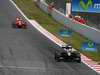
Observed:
{"x":28,"y":52}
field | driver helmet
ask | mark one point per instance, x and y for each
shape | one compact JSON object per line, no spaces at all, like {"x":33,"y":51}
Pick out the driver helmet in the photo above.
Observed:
{"x":69,"y":47}
{"x":17,"y":18}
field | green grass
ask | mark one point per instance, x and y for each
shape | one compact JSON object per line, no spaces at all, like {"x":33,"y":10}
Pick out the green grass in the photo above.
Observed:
{"x":33,"y":12}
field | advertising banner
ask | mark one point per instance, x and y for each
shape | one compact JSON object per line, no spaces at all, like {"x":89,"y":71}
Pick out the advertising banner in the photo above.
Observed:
{"x":65,"y":33}
{"x":92,"y":6}
{"x":89,"y":46}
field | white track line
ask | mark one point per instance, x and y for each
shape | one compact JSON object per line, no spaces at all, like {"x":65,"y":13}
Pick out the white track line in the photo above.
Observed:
{"x":31,"y":68}
{"x":16,"y":67}
{"x":46,"y":33}
{"x":52,"y":37}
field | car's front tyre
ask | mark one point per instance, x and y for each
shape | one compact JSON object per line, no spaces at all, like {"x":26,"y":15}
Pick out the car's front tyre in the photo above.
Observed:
{"x":57,"y":58}
{"x":79,"y":60}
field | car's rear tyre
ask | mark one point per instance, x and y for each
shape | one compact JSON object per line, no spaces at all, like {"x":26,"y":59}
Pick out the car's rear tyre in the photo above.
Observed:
{"x":24,"y":27}
{"x":79,"y":60}
{"x":13,"y":25}
{"x":57,"y":58}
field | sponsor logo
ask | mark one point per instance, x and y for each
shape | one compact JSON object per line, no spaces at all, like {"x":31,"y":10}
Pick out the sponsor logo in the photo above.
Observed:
{"x":65,"y":33}
{"x":86,"y":5}
{"x":89,"y":46}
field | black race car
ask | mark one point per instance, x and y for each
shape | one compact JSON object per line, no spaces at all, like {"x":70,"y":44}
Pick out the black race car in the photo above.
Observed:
{"x":66,"y":53}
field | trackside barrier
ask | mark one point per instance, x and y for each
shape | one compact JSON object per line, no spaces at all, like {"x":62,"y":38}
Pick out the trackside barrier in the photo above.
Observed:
{"x":89,"y":32}
{"x":43,"y":6}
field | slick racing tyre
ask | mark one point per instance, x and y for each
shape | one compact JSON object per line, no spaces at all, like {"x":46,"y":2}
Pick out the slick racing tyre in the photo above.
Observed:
{"x":57,"y":58}
{"x":78,"y":60}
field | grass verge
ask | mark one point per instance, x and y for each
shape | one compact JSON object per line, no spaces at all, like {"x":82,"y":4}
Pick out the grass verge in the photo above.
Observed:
{"x":33,"y":12}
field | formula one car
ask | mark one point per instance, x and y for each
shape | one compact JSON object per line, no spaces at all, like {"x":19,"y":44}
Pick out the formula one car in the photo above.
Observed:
{"x":19,"y":23}
{"x":79,"y":19}
{"x":67,"y":54}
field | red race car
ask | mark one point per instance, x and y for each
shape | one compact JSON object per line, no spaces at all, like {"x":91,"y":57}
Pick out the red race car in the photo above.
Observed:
{"x":19,"y":23}
{"x":79,"y":19}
